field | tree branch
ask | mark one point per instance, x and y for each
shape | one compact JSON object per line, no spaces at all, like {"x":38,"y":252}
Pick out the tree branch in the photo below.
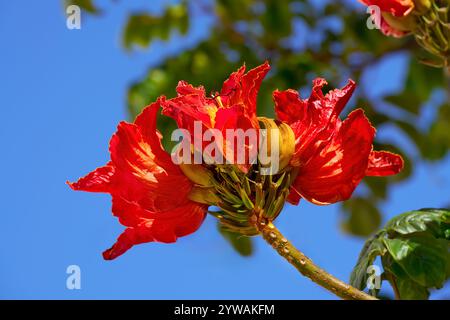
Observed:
{"x":306,"y":266}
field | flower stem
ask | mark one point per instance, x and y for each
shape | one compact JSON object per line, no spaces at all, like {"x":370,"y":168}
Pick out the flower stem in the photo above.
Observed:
{"x":305,"y":265}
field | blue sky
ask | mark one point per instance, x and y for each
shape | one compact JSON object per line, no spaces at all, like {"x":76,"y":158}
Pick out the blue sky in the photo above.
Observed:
{"x":62,"y":94}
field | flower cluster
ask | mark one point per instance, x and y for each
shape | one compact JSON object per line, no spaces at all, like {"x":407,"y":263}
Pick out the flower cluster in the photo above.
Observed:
{"x":322,"y":160}
{"x":427,"y":20}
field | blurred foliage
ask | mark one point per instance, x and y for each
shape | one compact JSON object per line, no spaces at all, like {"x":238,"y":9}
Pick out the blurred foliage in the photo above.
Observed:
{"x":335,"y":44}
{"x":86,"y":5}
{"x":414,"y":251}
{"x":141,"y":29}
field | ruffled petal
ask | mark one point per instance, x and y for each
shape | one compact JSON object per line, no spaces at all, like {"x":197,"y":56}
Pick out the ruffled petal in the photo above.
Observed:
{"x":184,"y":88}
{"x":242,"y":88}
{"x":384,"y":163}
{"x":337,"y":99}
{"x":332,"y":168}
{"x":290,"y":108}
{"x":143,"y":226}
{"x":332,"y":104}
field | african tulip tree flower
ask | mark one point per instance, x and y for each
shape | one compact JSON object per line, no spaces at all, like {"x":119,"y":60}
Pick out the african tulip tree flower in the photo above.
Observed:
{"x":149,"y":193}
{"x":322,"y":159}
{"x":331,"y":156}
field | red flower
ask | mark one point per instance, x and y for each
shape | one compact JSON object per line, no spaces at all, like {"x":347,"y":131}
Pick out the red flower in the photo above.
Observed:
{"x":398,"y":8}
{"x":234,"y":107}
{"x":149,"y":193}
{"x":332,"y":156}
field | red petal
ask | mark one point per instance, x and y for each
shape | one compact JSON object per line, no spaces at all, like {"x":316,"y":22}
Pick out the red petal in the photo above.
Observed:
{"x":231,"y":119}
{"x":98,"y":180}
{"x":332,"y":168}
{"x":294,"y":197}
{"x":289,"y":107}
{"x":146,"y":121}
{"x":143,"y":178}
{"x":166,"y":227}
{"x":189,"y":108}
{"x":383,"y":163}
{"x":332,"y":104}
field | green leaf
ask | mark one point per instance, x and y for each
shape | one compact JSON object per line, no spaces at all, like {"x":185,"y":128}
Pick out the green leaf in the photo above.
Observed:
{"x":411,"y":290}
{"x":404,"y":287}
{"x":414,"y":251}
{"x":372,"y":248}
{"x":433,"y":221}
{"x":242,"y":244}
{"x":423,"y":258}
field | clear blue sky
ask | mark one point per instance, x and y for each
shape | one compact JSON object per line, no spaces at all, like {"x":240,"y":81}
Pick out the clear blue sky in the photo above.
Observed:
{"x":62,"y":94}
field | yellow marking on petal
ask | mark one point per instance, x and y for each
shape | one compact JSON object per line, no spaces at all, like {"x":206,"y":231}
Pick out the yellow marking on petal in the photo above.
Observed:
{"x":211,"y":110}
